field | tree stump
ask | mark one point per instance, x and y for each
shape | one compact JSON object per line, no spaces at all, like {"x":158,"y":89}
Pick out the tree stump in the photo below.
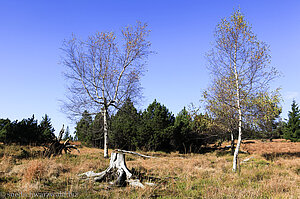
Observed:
{"x":117,"y":172}
{"x":117,"y":169}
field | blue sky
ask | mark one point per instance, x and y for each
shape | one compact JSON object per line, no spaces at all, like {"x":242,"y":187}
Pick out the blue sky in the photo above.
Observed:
{"x":32,"y":33}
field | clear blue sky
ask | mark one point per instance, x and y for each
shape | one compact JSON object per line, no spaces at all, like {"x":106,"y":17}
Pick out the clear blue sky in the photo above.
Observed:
{"x":182,"y":31}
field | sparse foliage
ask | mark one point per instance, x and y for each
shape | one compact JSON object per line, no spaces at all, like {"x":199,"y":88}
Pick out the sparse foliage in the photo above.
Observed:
{"x":104,"y":71}
{"x":239,"y":64}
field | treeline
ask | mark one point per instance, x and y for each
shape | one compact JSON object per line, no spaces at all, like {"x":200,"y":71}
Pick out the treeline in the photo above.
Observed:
{"x":27,"y":131}
{"x":157,"y":129}
{"x":154,"y":129}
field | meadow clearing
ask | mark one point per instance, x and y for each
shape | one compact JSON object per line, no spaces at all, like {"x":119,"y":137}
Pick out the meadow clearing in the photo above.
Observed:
{"x":272,"y":171}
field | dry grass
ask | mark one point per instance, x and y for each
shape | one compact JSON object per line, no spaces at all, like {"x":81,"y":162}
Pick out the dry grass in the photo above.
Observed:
{"x":175,"y":175}
{"x":276,"y":146}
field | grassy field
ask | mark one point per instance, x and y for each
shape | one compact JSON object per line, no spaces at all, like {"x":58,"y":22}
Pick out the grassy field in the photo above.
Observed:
{"x":273,"y":171}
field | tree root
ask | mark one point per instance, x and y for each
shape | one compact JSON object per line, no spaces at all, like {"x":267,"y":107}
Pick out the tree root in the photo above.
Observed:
{"x":56,"y":148}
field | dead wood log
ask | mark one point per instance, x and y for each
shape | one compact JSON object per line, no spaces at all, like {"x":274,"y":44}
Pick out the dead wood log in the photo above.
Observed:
{"x":56,"y":147}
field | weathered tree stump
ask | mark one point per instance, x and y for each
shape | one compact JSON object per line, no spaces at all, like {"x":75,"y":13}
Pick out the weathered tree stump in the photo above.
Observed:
{"x":117,"y":167}
{"x":117,"y":172}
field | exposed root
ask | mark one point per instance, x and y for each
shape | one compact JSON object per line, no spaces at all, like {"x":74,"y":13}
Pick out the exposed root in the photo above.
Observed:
{"x":56,"y":148}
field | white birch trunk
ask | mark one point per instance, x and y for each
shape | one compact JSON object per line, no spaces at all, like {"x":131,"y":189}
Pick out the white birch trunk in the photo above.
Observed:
{"x":105,"y":128}
{"x":232,"y":143}
{"x":236,"y":152}
{"x":238,"y":100}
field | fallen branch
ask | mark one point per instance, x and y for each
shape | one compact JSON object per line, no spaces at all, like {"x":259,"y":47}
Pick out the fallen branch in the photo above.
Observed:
{"x":136,"y":183}
{"x":246,"y":160}
{"x":134,"y":153}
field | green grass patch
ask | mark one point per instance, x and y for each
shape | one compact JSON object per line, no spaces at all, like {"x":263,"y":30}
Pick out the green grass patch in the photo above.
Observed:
{"x":6,"y":179}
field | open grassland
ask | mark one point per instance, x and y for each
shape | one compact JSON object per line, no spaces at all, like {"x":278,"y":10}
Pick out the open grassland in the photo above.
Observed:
{"x":272,"y":172}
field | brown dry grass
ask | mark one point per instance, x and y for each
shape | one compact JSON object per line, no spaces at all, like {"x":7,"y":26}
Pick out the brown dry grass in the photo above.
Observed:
{"x":276,"y":146}
{"x":175,"y":175}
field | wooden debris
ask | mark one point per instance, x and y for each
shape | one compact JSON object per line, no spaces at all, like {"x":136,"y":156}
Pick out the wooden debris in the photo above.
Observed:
{"x":134,"y":153}
{"x":246,"y":160}
{"x":56,"y":147}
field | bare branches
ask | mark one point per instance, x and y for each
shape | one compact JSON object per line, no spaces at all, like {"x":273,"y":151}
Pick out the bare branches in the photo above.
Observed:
{"x":236,"y":45}
{"x":101,"y":70}
{"x":239,"y":63}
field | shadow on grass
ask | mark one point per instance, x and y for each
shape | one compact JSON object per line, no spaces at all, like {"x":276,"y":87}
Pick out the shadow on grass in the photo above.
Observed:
{"x":141,"y":174}
{"x":248,"y":142}
{"x":275,"y":156}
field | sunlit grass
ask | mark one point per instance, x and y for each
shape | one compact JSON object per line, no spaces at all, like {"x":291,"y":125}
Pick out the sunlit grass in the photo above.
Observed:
{"x":175,"y":175}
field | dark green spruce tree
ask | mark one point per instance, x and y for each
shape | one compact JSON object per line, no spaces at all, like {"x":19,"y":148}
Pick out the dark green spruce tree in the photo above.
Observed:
{"x":124,"y":127}
{"x":26,"y":132}
{"x":5,"y":125}
{"x":156,"y":129}
{"x":292,"y":129}
{"x":46,"y":129}
{"x":83,"y":129}
{"x":182,"y":132}
{"x":97,"y":131}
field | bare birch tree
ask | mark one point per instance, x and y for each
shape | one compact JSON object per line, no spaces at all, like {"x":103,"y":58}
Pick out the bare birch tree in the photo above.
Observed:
{"x":103,"y":71}
{"x":240,"y":66}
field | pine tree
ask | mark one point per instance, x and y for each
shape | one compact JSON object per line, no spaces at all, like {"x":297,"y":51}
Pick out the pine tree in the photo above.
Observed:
{"x":124,"y":127}
{"x":83,"y":128}
{"x":97,"y":131}
{"x":46,"y":129}
{"x":27,"y":132}
{"x":4,"y":126}
{"x":292,"y":129}
{"x":156,"y":129}
{"x":182,"y":131}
